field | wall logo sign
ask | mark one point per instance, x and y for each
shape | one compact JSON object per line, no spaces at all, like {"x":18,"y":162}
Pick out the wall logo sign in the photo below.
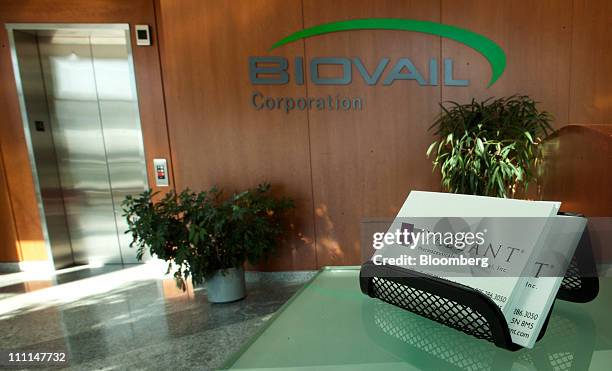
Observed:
{"x":275,"y":70}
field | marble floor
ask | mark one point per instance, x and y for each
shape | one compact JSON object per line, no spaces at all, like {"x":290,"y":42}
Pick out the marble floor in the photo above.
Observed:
{"x":134,"y":318}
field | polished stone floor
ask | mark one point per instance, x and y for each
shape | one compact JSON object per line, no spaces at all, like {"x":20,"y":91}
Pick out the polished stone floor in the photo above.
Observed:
{"x":134,"y":318}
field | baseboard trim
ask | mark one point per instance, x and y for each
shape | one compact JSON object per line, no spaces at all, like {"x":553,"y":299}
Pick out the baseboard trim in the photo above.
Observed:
{"x":27,"y":266}
{"x":9,"y":268}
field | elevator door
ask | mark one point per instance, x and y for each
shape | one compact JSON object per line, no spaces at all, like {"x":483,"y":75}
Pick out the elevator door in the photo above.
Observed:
{"x":94,"y":127}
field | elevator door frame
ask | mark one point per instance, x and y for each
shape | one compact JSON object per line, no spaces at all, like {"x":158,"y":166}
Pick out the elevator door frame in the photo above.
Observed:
{"x":10,"y":29}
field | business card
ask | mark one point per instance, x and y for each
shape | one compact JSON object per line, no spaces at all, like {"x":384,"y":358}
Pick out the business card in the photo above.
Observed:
{"x":548,"y":267}
{"x":444,"y":212}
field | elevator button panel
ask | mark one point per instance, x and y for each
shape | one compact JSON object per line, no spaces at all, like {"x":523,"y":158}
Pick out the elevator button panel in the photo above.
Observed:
{"x":160,"y":165}
{"x":143,"y":36}
{"x":39,"y":125}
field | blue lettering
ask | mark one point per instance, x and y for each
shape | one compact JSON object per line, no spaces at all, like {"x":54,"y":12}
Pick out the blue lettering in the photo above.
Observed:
{"x":448,"y":75}
{"x":397,"y":74}
{"x":343,"y":62}
{"x":279,"y":69}
{"x":371,"y":79}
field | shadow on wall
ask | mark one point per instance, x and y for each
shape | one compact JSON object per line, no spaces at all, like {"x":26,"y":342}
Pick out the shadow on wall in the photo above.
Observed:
{"x":576,"y":169}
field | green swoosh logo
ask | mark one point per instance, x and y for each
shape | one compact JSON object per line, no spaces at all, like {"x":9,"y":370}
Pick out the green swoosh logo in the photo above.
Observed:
{"x":488,"y":48}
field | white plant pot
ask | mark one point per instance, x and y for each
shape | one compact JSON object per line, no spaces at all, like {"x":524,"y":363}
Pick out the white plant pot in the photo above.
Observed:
{"x":226,"y":285}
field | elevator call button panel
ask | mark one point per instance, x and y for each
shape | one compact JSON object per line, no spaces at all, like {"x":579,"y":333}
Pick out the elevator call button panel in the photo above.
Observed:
{"x":143,"y":35}
{"x":160,"y":166}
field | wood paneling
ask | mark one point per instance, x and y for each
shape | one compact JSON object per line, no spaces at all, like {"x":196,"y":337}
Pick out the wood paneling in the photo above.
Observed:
{"x":17,"y":164}
{"x":217,"y":138}
{"x":339,"y":166}
{"x":364,"y":163}
{"x":148,"y":79}
{"x":591,"y":85}
{"x":536,"y":36}
{"x":577,"y":169}
{"x":9,"y":247}
{"x":76,"y":11}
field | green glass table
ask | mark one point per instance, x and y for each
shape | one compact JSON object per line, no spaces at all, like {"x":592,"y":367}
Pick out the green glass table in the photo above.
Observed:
{"x":330,"y":324}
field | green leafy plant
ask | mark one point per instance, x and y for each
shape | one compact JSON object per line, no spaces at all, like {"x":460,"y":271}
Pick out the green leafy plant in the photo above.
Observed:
{"x":200,"y":233}
{"x":489,"y":148}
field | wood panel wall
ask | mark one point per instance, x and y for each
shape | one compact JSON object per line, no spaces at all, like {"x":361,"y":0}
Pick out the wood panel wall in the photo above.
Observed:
{"x":577,"y":169}
{"x":537,"y":39}
{"x":9,"y":245}
{"x":216,"y":137}
{"x":19,"y":180}
{"x":591,"y":61}
{"x":364,"y":163}
{"x":339,"y":166}
{"x":360,"y":164}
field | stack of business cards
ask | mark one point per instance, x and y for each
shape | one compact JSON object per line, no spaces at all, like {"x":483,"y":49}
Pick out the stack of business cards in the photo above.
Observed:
{"x":526,"y":236}
{"x":435,"y":205}
{"x":547,"y":271}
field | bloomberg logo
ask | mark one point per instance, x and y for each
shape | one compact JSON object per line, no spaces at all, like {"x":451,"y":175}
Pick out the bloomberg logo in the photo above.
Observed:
{"x":274,"y":70}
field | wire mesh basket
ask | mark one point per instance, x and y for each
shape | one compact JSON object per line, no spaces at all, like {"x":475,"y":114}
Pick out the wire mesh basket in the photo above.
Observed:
{"x":466,"y":309}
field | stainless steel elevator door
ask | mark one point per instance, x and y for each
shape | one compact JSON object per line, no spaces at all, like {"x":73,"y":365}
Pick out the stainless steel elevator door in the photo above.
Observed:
{"x":121,"y":130}
{"x":41,"y":139}
{"x":92,"y":103}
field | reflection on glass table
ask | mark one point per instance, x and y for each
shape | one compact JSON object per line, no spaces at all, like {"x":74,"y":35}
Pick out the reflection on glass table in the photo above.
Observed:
{"x":331,"y":324}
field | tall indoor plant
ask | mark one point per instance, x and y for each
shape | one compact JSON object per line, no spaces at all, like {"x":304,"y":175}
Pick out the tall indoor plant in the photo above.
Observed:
{"x":489,"y":148}
{"x":204,"y":236}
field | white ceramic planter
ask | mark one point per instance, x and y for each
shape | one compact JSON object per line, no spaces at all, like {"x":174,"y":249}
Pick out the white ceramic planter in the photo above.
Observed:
{"x":226,"y":285}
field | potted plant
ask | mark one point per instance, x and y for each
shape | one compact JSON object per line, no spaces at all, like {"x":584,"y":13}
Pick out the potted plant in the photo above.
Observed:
{"x":206,"y":237}
{"x":489,"y":148}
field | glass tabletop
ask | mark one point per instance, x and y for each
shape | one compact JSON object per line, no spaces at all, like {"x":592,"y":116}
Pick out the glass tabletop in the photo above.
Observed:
{"x":329,"y":324}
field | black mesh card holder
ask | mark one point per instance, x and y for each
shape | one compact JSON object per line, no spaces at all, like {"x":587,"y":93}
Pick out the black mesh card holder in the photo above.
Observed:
{"x":454,"y":305}
{"x":466,"y":309}
{"x":569,"y":345}
{"x":581,"y":283}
